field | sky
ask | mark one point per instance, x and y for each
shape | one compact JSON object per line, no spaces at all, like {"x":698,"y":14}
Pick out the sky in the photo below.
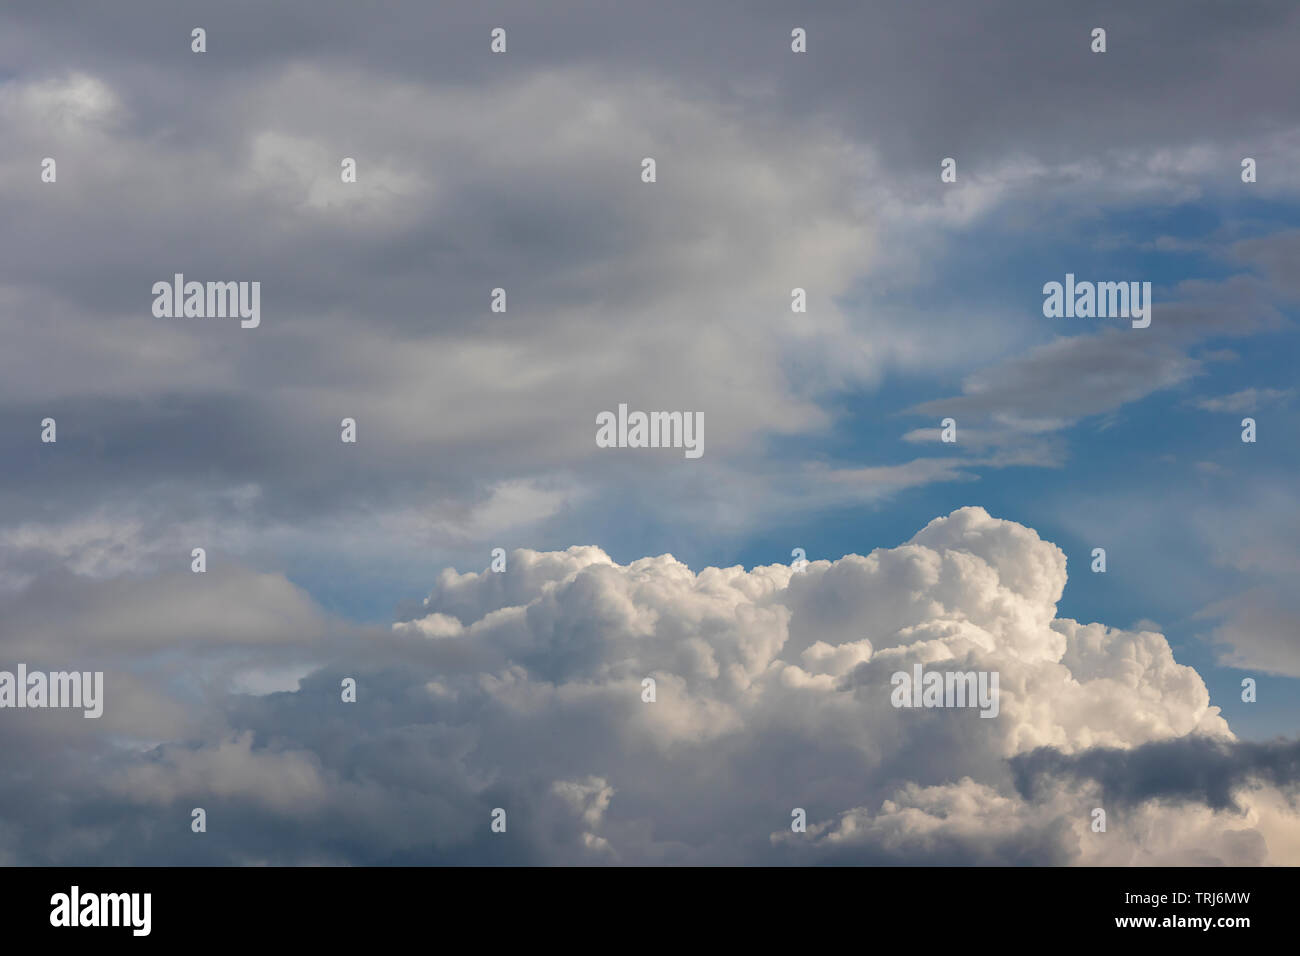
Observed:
{"x":522,"y":689}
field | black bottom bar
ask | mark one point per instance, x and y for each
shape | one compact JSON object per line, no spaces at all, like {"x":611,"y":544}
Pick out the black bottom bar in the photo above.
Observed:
{"x":603,"y":907}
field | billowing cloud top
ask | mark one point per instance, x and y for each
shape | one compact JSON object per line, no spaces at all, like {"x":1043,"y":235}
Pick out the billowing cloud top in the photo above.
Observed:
{"x":524,"y":690}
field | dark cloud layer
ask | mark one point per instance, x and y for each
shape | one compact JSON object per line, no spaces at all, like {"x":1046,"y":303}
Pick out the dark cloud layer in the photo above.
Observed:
{"x":1185,"y":769}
